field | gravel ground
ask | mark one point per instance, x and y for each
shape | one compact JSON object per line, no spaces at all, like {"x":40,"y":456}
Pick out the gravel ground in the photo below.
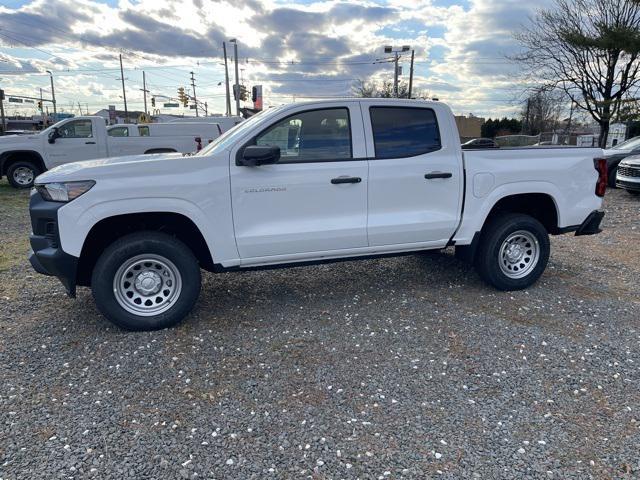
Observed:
{"x":393,"y":368}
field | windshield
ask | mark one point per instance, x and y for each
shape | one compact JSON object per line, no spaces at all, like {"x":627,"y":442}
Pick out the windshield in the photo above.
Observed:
{"x":227,"y":138}
{"x":630,"y":144}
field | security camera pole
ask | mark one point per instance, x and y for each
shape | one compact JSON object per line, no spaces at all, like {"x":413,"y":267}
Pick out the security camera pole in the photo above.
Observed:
{"x":396,"y":57}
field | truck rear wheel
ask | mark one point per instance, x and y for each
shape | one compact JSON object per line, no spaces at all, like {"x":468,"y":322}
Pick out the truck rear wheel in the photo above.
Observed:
{"x":22,"y":174}
{"x":146,"y":281}
{"x":513,"y":251}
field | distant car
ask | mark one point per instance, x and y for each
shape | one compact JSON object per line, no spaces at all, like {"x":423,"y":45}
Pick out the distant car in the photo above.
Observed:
{"x":19,"y":132}
{"x":616,"y":154}
{"x":480,"y":143}
{"x":628,"y":176}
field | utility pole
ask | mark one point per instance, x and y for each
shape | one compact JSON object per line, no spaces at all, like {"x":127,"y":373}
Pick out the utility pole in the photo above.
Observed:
{"x":206,"y":109}
{"x":3,"y":125}
{"x":396,"y":57}
{"x":236,"y":87}
{"x":411,"y":73}
{"x":53,"y":95}
{"x":144,"y":91}
{"x":395,"y":75}
{"x":195,"y":99}
{"x":226,"y":79}
{"x":124,"y":92}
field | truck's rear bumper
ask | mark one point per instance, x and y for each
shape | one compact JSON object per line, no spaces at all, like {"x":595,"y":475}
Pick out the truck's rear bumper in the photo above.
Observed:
{"x":591,"y":225}
{"x":47,"y":256}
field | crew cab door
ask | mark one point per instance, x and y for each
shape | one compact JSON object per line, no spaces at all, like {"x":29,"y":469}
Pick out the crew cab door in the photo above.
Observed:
{"x":77,"y":140}
{"x":314,"y":199}
{"x":415,"y":175}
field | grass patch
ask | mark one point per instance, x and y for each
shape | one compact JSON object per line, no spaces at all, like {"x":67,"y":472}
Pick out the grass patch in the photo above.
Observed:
{"x":14,"y":225}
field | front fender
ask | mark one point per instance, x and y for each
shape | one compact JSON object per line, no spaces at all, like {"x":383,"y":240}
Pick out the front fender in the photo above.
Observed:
{"x":76,"y":221}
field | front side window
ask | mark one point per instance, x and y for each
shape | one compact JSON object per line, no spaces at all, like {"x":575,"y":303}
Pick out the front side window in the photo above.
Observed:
{"x":404,"y":131}
{"x":311,"y":136}
{"x":76,"y":129}
{"x":119,"y":132}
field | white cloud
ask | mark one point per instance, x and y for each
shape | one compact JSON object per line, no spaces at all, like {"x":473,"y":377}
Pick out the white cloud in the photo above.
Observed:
{"x":459,"y":48}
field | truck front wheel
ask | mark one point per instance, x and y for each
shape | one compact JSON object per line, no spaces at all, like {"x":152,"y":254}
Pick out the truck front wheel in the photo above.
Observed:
{"x":146,"y":281}
{"x":513,"y":251}
{"x":22,"y":174}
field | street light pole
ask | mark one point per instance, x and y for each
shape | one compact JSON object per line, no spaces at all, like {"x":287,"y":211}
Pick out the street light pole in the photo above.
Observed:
{"x":53,"y":95}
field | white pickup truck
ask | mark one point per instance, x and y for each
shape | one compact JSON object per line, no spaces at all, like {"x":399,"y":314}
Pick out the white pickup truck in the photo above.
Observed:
{"x":306,"y":182}
{"x":23,"y":157}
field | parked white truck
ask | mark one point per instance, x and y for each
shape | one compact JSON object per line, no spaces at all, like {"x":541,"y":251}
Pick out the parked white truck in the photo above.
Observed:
{"x":24,"y":157}
{"x":306,"y":182}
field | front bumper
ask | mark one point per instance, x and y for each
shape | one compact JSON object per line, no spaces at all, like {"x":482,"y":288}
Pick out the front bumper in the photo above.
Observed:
{"x":47,"y":256}
{"x":622,"y":182}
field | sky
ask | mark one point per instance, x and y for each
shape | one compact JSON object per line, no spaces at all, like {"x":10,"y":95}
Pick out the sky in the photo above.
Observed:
{"x":296,"y":50}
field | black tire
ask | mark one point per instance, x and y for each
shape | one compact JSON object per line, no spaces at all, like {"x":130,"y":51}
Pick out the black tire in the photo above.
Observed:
{"x":611,"y":177}
{"x":489,"y":256}
{"x":161,"y":248}
{"x":16,"y":177}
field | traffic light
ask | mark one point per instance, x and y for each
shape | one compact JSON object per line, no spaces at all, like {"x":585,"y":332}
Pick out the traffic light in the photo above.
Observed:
{"x":153,"y":101}
{"x":183,"y":97}
{"x":39,"y":104}
{"x":244,"y":93}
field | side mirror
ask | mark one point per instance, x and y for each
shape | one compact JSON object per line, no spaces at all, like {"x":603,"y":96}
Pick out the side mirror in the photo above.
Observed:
{"x":255,"y":155}
{"x":53,"y":134}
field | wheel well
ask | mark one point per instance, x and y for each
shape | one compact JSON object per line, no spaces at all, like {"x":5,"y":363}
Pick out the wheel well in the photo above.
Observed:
{"x":106,"y":231}
{"x":539,"y":205}
{"x":9,"y":158}
{"x":160,"y":150}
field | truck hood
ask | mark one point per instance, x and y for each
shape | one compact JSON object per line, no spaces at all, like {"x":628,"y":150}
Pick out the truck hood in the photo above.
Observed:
{"x":12,"y":141}
{"x":633,"y":161}
{"x":133,"y":165}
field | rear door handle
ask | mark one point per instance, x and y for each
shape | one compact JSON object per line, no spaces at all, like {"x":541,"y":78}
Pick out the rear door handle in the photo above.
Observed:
{"x":345,"y":179}
{"x":432,"y":175}
{"x":89,"y":143}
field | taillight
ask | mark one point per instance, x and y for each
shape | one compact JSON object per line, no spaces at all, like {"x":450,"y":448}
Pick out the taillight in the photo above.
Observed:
{"x":198,"y":141}
{"x":601,"y":167}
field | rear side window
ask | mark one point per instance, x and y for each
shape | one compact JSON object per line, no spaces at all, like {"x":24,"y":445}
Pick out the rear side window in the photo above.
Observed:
{"x":119,"y":132}
{"x":143,"y":131}
{"x":404,"y":131}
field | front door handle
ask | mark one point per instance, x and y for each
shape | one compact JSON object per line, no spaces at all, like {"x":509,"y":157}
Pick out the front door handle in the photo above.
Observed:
{"x":89,"y":143}
{"x":345,"y":179}
{"x":432,"y":175}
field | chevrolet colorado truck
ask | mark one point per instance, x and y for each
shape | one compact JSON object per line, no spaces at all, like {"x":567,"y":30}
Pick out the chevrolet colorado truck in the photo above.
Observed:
{"x":23,"y":157}
{"x":305,"y":183}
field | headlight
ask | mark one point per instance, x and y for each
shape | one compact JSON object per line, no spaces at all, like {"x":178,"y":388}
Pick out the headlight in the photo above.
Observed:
{"x":65,"y":191}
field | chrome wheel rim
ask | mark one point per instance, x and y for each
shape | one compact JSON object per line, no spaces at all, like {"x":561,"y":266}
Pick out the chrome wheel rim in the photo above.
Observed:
{"x":519,"y":254}
{"x":147,"y":285}
{"x":23,"y":176}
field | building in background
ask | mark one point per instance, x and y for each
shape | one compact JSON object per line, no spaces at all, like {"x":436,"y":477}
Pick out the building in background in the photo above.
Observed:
{"x":469,"y":127}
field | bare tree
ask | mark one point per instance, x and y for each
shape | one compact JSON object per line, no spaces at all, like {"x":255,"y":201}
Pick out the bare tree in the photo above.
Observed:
{"x":372,"y":89}
{"x":588,"y":48}
{"x":542,"y":110}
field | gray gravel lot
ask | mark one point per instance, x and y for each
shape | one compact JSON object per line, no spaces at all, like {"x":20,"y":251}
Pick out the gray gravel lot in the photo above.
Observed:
{"x":394,"y":368}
